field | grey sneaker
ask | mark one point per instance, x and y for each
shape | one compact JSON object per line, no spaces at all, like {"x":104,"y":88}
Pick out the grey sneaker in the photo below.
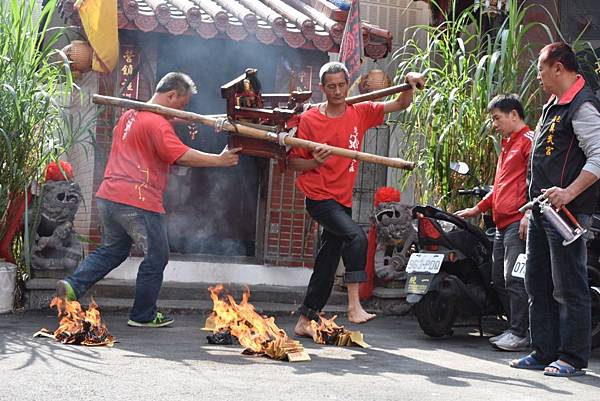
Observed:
{"x":498,"y":337}
{"x":511,"y":342}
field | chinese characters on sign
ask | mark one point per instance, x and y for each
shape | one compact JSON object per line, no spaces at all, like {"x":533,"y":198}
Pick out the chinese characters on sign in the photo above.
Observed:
{"x":128,"y":80}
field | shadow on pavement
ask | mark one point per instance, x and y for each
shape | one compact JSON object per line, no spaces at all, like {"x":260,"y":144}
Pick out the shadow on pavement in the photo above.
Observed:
{"x":398,"y":347}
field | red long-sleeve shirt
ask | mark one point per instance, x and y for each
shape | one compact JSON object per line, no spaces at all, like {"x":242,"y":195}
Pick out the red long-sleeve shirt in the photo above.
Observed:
{"x":510,"y":189}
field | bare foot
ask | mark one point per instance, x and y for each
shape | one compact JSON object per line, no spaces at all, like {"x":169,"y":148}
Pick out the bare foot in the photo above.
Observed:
{"x":359,"y":315}
{"x":303,"y":328}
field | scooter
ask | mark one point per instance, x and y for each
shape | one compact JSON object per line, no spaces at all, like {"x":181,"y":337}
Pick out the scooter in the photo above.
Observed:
{"x":593,"y":265}
{"x":451,"y":274}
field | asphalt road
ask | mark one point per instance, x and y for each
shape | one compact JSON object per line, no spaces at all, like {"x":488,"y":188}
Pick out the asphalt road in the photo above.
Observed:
{"x":177,"y":363}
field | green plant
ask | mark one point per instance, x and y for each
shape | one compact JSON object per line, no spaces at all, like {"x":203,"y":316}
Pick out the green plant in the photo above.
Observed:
{"x":36,"y":123}
{"x":448,"y":121}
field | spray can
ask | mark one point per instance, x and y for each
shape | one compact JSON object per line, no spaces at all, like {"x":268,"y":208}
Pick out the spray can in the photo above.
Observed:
{"x":569,"y":231}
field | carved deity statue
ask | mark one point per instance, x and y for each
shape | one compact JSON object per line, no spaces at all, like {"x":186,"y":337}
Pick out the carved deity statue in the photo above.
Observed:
{"x":248,"y":97}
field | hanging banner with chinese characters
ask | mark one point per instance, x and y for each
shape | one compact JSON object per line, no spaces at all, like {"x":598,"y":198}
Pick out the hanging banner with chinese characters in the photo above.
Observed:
{"x":128,"y":77}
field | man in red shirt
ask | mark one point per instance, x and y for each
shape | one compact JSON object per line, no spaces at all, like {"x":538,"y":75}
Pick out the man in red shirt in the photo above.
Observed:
{"x":508,"y":195}
{"x":327,"y":183}
{"x":130,"y":199}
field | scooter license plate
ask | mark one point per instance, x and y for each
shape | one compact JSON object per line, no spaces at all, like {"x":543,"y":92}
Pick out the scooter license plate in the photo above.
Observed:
{"x":425,"y":263}
{"x":520,"y":266}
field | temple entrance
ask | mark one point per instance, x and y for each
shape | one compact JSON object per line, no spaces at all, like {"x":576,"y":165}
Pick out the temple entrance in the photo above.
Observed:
{"x":216,"y":211}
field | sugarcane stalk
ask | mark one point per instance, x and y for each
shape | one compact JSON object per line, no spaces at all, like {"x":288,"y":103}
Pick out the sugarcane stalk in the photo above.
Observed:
{"x":242,"y":130}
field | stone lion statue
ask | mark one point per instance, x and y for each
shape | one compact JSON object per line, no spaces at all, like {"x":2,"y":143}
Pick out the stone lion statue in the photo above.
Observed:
{"x":395,"y":235}
{"x":56,"y":245}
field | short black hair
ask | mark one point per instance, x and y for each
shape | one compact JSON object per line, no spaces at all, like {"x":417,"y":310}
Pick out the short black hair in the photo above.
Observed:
{"x":333,"y":67}
{"x":177,"y":81}
{"x":562,"y":53}
{"x":507,"y":103}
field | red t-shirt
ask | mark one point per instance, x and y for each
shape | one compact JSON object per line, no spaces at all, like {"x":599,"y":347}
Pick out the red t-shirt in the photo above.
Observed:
{"x":335,"y":178}
{"x":144,"y":146}
{"x":510,"y":189}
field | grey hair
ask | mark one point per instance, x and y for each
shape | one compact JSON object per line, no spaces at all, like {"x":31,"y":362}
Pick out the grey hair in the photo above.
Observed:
{"x":333,"y":67}
{"x":177,"y":81}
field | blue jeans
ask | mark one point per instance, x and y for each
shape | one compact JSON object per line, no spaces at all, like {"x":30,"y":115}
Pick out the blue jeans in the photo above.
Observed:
{"x":511,"y":290}
{"x":559,"y":297}
{"x":123,"y":225}
{"x":342,"y":237}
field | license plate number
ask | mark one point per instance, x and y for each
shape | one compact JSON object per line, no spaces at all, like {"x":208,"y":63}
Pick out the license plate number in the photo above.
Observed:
{"x":425,"y":263}
{"x":520,"y":266}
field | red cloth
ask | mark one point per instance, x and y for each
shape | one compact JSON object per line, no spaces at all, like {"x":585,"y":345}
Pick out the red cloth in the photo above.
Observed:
{"x":56,"y":173}
{"x":16,"y":209}
{"x":335,"y":178}
{"x":351,"y":47}
{"x":365,"y":289}
{"x":510,"y":189}
{"x":143,"y":148}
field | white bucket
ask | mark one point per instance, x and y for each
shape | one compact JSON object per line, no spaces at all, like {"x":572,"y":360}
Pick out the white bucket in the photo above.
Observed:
{"x":8,"y":279}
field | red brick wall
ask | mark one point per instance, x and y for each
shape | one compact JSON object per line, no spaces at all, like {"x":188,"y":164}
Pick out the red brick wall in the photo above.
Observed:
{"x":290,"y":232}
{"x":104,"y":126}
{"x":107,"y":85}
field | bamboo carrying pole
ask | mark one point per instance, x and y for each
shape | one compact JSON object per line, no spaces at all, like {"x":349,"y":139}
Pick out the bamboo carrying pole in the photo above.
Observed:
{"x":242,"y":130}
{"x":392,"y":90}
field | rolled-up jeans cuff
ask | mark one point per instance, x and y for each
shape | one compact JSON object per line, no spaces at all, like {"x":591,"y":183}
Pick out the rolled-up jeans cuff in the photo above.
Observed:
{"x":355,"y":277}
{"x":309,"y":313}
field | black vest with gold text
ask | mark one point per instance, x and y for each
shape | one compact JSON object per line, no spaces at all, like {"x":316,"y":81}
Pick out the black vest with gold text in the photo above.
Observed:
{"x":556,"y":158}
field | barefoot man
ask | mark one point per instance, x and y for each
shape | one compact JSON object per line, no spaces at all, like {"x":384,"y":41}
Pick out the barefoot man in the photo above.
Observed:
{"x":327,"y":183}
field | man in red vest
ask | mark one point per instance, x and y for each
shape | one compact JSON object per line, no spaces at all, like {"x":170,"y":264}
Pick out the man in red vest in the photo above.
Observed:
{"x":565,"y":167}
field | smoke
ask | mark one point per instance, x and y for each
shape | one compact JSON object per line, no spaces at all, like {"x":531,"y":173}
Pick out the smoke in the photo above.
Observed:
{"x":210,"y":210}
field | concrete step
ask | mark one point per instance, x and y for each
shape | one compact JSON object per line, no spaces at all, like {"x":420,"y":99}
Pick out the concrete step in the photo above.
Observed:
{"x":112,"y":294}
{"x":203,"y":306}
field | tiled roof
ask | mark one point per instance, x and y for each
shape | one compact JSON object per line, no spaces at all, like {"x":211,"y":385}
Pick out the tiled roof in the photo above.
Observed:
{"x":298,"y":23}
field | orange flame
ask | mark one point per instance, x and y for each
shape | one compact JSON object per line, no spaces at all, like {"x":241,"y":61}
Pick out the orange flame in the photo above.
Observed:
{"x":326,"y":331}
{"x":80,"y":327}
{"x":252,"y":330}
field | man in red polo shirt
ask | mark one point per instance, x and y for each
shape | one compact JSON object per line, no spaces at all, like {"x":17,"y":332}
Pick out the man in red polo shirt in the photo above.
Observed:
{"x":130,"y":199}
{"x":508,"y":195}
{"x":327,"y":183}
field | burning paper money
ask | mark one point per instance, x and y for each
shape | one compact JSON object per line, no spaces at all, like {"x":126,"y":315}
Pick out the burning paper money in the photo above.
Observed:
{"x":78,"y":326}
{"x":328,"y":332}
{"x":257,"y":334}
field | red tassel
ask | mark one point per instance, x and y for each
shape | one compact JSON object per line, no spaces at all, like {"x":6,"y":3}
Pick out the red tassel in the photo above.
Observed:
{"x":386,"y":194}
{"x":54,"y":173}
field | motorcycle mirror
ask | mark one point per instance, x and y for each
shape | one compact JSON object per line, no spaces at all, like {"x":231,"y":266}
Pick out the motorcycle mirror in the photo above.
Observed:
{"x":461,"y":168}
